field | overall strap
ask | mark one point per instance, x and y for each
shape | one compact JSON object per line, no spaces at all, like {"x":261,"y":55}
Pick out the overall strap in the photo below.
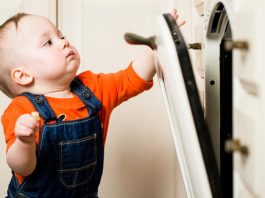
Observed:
{"x":42,"y":106}
{"x":85,"y":94}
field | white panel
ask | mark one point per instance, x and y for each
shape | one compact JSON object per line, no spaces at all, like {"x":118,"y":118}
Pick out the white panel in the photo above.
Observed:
{"x":249,"y":114}
{"x":8,"y":9}
{"x":248,"y":67}
{"x":241,"y":190}
{"x":70,"y":22}
{"x":45,"y":8}
{"x":123,"y":3}
{"x":247,"y":130}
{"x":199,"y":5}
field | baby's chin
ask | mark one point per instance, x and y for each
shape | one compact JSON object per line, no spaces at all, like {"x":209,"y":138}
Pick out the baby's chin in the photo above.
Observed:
{"x":74,"y":64}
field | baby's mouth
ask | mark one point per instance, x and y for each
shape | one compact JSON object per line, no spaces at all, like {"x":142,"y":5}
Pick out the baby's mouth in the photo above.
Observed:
{"x":71,"y":53}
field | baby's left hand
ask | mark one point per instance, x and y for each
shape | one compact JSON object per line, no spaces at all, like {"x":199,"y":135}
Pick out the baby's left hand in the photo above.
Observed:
{"x":176,"y":16}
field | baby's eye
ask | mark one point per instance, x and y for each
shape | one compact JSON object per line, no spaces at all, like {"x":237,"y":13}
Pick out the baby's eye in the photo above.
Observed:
{"x":62,"y":37}
{"x":49,"y":42}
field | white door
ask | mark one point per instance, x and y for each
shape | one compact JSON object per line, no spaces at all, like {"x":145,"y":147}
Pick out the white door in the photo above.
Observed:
{"x":250,"y":100}
{"x":191,"y":135}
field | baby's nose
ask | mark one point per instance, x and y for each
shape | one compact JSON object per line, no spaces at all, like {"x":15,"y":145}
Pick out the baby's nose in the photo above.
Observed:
{"x":65,"y":43}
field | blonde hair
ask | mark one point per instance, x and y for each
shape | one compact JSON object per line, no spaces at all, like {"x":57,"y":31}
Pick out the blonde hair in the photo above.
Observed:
{"x":6,"y":84}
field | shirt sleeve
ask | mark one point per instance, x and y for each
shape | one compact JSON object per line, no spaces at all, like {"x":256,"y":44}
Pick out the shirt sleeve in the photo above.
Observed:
{"x":114,"y":88}
{"x":17,"y":107}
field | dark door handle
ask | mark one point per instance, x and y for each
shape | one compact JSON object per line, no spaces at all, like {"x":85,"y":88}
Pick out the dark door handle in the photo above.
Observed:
{"x":135,"y":39}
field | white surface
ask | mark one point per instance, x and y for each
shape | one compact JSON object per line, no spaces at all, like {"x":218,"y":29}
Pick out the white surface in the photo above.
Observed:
{"x":180,"y":116}
{"x":199,"y":5}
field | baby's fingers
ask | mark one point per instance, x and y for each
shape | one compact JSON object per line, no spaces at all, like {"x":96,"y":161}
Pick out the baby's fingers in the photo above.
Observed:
{"x":180,"y":23}
{"x":31,"y":122}
{"x":25,"y":124}
{"x":176,"y":16}
{"x":25,"y":131}
{"x":35,"y":115}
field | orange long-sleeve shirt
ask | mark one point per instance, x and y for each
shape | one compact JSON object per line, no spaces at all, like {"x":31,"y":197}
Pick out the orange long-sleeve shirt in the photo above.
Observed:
{"x":111,"y":89}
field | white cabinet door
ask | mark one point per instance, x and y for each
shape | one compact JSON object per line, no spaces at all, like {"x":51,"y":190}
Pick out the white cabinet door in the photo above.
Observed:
{"x":8,"y":9}
{"x":250,"y":103}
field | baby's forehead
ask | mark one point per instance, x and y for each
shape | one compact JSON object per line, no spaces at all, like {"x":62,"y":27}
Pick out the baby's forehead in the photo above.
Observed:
{"x":34,"y":21}
{"x":33,"y":26}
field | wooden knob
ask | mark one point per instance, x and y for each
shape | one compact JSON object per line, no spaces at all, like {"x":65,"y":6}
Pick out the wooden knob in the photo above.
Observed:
{"x":195,"y":46}
{"x":234,"y":145}
{"x":230,"y":45}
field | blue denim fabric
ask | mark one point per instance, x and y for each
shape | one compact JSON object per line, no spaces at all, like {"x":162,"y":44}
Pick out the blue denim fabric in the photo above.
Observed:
{"x":69,"y":154}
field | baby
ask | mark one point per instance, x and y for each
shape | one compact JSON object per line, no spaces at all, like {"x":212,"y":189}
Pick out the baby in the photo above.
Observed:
{"x":58,"y":151}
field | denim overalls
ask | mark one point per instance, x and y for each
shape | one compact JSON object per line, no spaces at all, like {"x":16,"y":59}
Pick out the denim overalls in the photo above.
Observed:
{"x":69,"y":154}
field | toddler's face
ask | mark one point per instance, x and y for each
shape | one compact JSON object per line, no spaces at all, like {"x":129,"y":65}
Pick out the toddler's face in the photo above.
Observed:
{"x":44,"y":52}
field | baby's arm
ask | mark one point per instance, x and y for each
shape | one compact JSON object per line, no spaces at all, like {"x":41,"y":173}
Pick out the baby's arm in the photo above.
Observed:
{"x":144,"y":65}
{"x":21,"y":156}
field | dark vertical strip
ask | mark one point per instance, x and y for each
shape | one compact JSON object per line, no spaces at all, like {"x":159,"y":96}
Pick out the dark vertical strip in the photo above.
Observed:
{"x":57,"y":13}
{"x":226,"y":82}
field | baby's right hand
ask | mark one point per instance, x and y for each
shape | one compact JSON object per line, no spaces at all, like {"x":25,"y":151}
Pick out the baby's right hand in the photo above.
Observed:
{"x":26,"y":128}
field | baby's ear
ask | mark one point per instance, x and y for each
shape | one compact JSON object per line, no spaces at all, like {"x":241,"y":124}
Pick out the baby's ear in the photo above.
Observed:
{"x":21,"y":76}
